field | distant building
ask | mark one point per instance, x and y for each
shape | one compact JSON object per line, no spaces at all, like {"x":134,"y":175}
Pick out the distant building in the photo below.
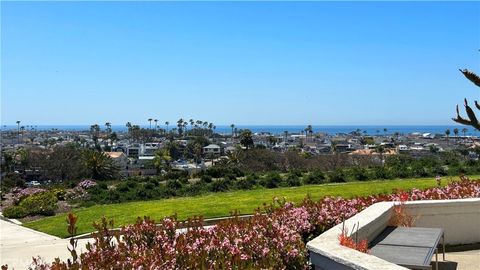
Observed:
{"x":121,"y":160}
{"x":212,"y":149}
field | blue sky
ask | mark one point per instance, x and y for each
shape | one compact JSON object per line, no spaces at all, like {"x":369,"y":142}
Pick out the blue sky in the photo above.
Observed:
{"x":320,"y":63}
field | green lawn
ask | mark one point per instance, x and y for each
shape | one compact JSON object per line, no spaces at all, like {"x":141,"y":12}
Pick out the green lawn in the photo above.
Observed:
{"x":220,"y":204}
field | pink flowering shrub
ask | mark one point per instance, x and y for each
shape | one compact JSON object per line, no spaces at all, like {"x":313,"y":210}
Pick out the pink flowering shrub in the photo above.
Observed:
{"x":19,"y":194}
{"x":87,"y":183}
{"x":272,"y":239}
{"x":30,"y":191}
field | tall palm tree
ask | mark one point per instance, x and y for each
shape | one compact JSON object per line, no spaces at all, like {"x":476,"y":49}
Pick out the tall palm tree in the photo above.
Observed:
{"x":455,"y":131}
{"x":464,"y":131}
{"x":185,"y":127}
{"x":447,"y":132}
{"x":18,"y":132}
{"x":109,"y":131}
{"x":95,"y":132}
{"x":150,"y":121}
{"x":166,"y":124}
{"x":108,"y":126}
{"x":156,"y":124}
{"x":22,"y":130}
{"x":129,"y":129}
{"x":210,"y":126}
{"x":385,"y":131}
{"x":192,"y":122}
{"x":232,"y":126}
{"x":180,"y":126}
{"x":310,"y":131}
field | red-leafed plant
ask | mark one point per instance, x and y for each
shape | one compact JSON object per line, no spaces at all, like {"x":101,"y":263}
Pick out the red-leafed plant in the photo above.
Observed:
{"x":400,"y":216}
{"x":346,"y":240}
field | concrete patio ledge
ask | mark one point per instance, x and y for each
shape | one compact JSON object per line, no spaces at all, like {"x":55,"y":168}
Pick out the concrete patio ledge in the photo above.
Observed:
{"x":460,"y":220}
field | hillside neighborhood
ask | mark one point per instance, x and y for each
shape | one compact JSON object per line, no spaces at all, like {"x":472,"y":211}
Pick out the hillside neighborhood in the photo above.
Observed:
{"x":134,"y":155}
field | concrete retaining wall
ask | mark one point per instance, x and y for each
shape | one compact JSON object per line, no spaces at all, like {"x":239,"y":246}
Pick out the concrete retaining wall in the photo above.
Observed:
{"x":459,"y":218}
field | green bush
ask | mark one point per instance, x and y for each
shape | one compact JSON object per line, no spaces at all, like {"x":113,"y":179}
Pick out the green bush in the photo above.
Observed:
{"x":60,"y":193}
{"x":15,"y":211}
{"x":337,"y":176}
{"x":359,"y":174}
{"x":293,"y":182}
{"x":381,"y":173}
{"x":272,"y":180}
{"x":247,"y":183}
{"x":314,"y":178}
{"x":206,"y":178}
{"x":219,"y":185}
{"x":44,"y":203}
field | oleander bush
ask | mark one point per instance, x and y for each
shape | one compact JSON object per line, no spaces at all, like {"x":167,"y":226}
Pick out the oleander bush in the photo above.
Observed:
{"x":273,"y":238}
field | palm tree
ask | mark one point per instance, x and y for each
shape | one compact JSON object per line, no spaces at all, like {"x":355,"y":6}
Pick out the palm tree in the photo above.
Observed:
{"x":398,"y":134}
{"x":380,"y":149}
{"x":129,"y":130}
{"x":109,"y":127}
{"x":180,"y":126}
{"x":210,"y":127}
{"x":98,"y":165}
{"x":464,"y":131}
{"x":232,"y":126}
{"x":192,"y":122}
{"x":385,"y":131}
{"x":156,"y":124}
{"x":447,"y":132}
{"x":166,"y":124}
{"x":150,"y":120}
{"x":310,"y":131}
{"x":95,"y":132}
{"x":22,"y":129}
{"x":162,"y":159}
{"x":455,"y":131}
{"x":18,"y":132}
{"x":185,"y":127}
{"x":109,"y":130}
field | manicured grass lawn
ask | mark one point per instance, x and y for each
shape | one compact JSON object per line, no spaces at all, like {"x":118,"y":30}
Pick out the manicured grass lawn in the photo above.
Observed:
{"x":221,"y":204}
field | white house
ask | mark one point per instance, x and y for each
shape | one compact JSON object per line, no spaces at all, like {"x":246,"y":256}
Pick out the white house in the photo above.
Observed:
{"x":212,"y":149}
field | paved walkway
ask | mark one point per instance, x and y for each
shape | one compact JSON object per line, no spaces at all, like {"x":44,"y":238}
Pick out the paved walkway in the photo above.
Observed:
{"x":18,"y":244}
{"x":463,"y":260}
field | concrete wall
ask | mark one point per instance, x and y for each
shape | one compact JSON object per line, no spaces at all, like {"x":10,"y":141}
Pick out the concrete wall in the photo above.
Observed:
{"x":459,"y":218}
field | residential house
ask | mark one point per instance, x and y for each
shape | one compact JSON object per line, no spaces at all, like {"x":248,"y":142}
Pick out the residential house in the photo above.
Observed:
{"x":212,"y":150}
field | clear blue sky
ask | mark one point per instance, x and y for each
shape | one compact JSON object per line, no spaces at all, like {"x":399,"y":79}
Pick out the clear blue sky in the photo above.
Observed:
{"x":244,"y":63}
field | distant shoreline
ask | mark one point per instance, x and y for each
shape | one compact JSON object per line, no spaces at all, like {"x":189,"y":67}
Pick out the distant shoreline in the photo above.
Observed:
{"x":279,"y":129}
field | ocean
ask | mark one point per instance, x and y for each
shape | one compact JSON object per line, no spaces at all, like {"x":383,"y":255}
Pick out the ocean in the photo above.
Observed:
{"x":279,"y":129}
